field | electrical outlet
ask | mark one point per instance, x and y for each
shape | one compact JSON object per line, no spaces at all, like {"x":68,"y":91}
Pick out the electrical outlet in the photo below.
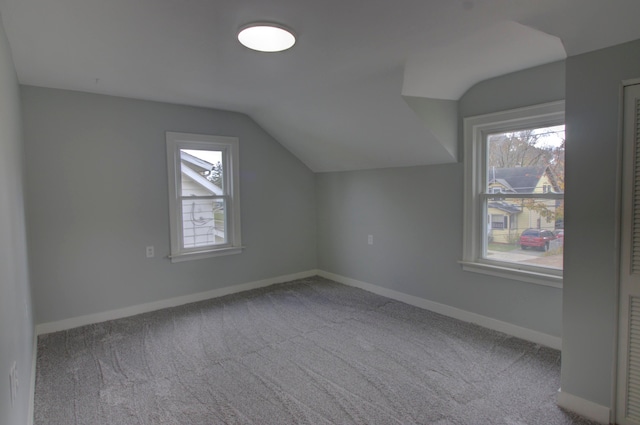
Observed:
{"x":13,"y":382}
{"x":370,"y":240}
{"x":150,"y":251}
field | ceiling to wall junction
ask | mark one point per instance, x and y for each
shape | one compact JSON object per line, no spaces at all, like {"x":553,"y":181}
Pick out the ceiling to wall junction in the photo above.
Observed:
{"x":368,"y":84}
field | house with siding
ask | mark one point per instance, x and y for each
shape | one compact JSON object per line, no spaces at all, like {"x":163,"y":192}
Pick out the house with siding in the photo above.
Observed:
{"x":507,"y":218}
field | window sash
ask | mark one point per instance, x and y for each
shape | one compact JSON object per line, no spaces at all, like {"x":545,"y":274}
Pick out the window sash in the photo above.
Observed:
{"x":476,"y":131}
{"x":210,"y":147}
{"x":182,"y":236}
{"x":496,"y":196}
{"x":225,"y":189}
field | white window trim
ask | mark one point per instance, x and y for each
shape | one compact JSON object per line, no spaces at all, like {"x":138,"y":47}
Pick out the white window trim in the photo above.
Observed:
{"x":475,"y":130}
{"x":177,"y":141}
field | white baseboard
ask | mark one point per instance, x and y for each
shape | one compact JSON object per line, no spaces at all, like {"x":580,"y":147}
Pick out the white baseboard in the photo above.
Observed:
{"x":456,"y":313}
{"x":74,"y":322}
{"x":586,"y":408}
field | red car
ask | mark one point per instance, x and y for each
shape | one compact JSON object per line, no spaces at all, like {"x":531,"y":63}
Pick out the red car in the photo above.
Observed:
{"x":536,"y":238}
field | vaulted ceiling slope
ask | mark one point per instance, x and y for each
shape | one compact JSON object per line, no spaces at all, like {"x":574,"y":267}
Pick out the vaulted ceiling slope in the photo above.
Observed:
{"x":369,"y":84}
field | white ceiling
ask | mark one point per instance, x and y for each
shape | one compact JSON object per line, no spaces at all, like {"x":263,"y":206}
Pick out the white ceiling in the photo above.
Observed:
{"x":336,"y":99}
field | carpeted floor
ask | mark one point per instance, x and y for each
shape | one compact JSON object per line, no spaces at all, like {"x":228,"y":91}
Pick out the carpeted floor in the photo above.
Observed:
{"x":306,"y":352}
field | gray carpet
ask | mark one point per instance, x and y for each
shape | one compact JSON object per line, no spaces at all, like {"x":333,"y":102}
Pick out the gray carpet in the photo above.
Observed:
{"x":305,"y":352}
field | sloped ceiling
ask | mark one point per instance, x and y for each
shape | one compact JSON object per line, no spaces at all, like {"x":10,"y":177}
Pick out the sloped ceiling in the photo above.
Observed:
{"x":369,"y":84}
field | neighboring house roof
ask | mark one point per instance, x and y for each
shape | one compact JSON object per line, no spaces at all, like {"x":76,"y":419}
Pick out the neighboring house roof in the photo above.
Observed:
{"x":521,"y":179}
{"x":506,"y":187}
{"x":505,"y":206}
{"x":195,"y":163}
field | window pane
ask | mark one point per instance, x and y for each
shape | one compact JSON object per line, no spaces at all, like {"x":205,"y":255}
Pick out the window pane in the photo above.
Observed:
{"x":203,"y":222}
{"x":201,"y":172}
{"x":525,"y":231}
{"x":526,"y":161}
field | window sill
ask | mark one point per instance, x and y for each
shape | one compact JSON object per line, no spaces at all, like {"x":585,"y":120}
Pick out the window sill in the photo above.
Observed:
{"x":205,"y":254}
{"x":539,"y":278}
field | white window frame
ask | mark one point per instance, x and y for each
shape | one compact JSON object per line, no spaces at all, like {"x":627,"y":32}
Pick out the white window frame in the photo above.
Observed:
{"x":476,"y":130}
{"x":231,"y":193}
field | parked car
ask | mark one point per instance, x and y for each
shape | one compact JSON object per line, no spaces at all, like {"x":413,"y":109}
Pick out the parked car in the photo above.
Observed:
{"x":536,"y":238}
{"x":559,"y":234}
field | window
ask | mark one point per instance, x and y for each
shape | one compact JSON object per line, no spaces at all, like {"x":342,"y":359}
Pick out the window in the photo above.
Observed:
{"x":498,"y":221}
{"x":204,"y":201}
{"x":523,"y":150}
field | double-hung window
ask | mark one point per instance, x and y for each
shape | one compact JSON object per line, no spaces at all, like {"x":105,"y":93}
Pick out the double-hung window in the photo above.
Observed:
{"x":204,"y":196}
{"x":514,"y":194}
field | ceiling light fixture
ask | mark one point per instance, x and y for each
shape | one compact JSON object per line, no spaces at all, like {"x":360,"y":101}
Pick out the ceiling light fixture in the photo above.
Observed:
{"x":266,"y":37}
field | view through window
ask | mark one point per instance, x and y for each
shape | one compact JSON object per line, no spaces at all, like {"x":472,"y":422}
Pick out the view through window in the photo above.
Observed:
{"x":202,"y":198}
{"x":523,"y":199}
{"x":204,"y":201}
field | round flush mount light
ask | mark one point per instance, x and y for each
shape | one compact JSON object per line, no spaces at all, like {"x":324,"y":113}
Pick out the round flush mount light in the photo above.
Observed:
{"x":266,"y":37}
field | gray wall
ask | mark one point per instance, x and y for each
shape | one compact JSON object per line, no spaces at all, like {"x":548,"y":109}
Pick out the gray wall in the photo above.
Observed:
{"x":524,"y":88}
{"x":591,"y":256}
{"x":97,"y":195}
{"x":415,"y":217}
{"x":16,"y":322}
